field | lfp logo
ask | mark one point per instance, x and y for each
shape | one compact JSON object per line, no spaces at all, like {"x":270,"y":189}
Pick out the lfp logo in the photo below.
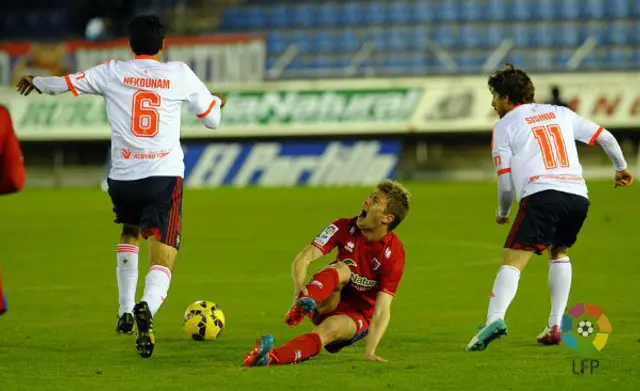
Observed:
{"x":585,"y":328}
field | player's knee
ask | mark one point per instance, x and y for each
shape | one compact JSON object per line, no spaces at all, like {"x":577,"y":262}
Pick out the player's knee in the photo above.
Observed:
{"x":328,"y":332}
{"x":130,"y":231}
{"x":556,"y":253}
{"x":344,"y":272}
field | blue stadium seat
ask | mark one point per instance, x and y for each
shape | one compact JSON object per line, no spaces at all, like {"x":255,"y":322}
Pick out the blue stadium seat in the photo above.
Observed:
{"x":561,"y":58}
{"x":394,"y":60}
{"x":303,"y":15}
{"x":279,"y":16}
{"x":471,"y":10}
{"x":303,"y":40}
{"x":398,"y":38}
{"x":517,"y":58}
{"x":276,"y":43}
{"x":424,"y":12}
{"x":635,"y":59}
{"x":495,"y":34}
{"x":471,"y":36}
{"x":619,"y":33}
{"x":36,"y":24}
{"x":543,"y":34}
{"x":594,"y":60}
{"x":619,"y":9}
{"x":570,"y":9}
{"x":353,"y":14}
{"x":521,"y":35}
{"x":376,"y":12}
{"x":568,"y":34}
{"x":234,"y":18}
{"x":348,"y":41}
{"x":635,"y":8}
{"x":542,"y":59}
{"x":419,"y":59}
{"x":380,"y":38}
{"x":546,"y":10}
{"x":468,"y":60}
{"x":635,"y":33}
{"x":329,"y":14}
{"x":592,"y":29}
{"x":271,"y":61}
{"x":592,"y":9}
{"x":301,"y":63}
{"x":446,"y":35}
{"x":256,"y":17}
{"x":519,"y":10}
{"x":419,"y":37}
{"x":496,"y":10}
{"x":322,"y":62}
{"x":618,"y":58}
{"x":324,"y":41}
{"x":399,"y":12}
{"x":448,"y":11}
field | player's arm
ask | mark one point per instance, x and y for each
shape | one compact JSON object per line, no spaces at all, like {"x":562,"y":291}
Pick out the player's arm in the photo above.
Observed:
{"x":92,"y":81}
{"x":590,"y":133}
{"x":378,"y":326}
{"x":301,"y":265}
{"x":502,"y":153}
{"x":12,"y":171}
{"x":206,"y":106}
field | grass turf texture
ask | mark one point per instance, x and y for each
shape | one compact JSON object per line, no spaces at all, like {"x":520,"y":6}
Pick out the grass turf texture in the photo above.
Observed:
{"x":59,"y":264}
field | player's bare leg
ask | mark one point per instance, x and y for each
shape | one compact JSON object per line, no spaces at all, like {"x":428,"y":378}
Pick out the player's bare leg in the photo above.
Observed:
{"x":504,"y":290}
{"x":127,"y":276}
{"x":559,"y":288}
{"x":329,"y":280}
{"x":162,"y":259}
{"x":334,"y":328}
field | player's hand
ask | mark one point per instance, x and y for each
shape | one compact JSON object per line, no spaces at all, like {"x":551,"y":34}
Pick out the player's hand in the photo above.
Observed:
{"x":502,"y":220}
{"x":25,"y":85}
{"x":222,"y":98}
{"x":373,"y":357}
{"x":623,"y":178}
{"x":300,"y":290}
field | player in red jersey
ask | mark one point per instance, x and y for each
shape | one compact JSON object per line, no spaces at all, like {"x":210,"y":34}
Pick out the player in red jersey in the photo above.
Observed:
{"x":12,"y":172}
{"x":351,"y":298}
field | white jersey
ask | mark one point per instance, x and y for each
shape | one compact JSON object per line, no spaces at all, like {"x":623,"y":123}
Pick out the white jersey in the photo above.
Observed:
{"x":144,"y":105}
{"x":535,"y":143}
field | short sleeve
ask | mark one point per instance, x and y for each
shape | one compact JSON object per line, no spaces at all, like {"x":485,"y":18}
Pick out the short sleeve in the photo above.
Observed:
{"x":201,"y":101}
{"x":391,"y":270}
{"x":500,"y":149}
{"x":332,"y":236}
{"x":585,"y":131}
{"x":93,"y":81}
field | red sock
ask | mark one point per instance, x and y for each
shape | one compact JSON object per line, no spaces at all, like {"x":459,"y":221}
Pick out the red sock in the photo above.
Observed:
{"x":298,"y":349}
{"x":323,"y":284}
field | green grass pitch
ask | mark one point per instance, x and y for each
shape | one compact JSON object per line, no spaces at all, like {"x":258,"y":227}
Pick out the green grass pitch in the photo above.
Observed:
{"x":58,"y":254}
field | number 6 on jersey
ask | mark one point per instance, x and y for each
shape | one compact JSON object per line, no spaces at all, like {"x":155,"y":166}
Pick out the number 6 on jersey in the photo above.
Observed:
{"x":145,"y":119}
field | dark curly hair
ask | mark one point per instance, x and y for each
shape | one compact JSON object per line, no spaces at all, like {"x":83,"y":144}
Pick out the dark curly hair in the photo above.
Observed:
{"x":512,"y":83}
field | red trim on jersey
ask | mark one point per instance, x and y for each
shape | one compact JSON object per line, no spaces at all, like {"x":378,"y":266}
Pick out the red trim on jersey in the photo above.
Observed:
{"x":145,"y":57}
{"x":504,"y":171}
{"x":70,"y":85}
{"x":319,"y":247}
{"x":516,"y":224}
{"x":388,"y":292}
{"x":211,"y":106}
{"x":174,"y":214}
{"x":595,"y":136}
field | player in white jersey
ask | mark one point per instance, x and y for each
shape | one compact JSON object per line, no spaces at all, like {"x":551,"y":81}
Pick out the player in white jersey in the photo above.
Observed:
{"x":143,"y":101}
{"x":536,"y":157}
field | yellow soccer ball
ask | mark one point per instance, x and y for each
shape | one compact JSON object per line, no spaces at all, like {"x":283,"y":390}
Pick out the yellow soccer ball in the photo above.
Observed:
{"x":204,"y":321}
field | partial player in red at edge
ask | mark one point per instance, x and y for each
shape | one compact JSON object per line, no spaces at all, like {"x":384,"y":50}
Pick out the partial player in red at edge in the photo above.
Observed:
{"x":350,"y":298}
{"x":12,"y":172}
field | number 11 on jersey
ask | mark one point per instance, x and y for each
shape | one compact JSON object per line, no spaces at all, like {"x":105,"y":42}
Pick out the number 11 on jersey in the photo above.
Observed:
{"x":552,"y":146}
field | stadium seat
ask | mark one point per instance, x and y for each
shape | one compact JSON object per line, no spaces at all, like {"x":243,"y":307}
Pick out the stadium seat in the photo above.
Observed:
{"x":276,"y":43}
{"x":324,"y":41}
{"x":303,"y":40}
{"x":348,"y":41}
{"x":519,"y":10}
{"x":400,"y":12}
{"x":635,"y":8}
{"x":635,"y":58}
{"x":469,"y":61}
{"x":448,"y":11}
{"x":419,"y":37}
{"x":516,"y":57}
{"x":303,"y":15}
{"x":424,"y":12}
{"x":619,"y":9}
{"x":567,"y":34}
{"x":446,"y":36}
{"x":546,"y":10}
{"x":419,"y":59}
{"x":379,"y":37}
{"x":279,"y":16}
{"x":521,"y":34}
{"x":471,"y":11}
{"x":618,"y":33}
{"x":471,"y":36}
{"x":543,"y":34}
{"x":496,"y":9}
{"x":618,"y":58}
{"x":328,"y":15}
{"x":561,"y":57}
{"x":594,"y":60}
{"x":592,"y":9}
{"x":256,"y":17}
{"x":376,"y":12}
{"x":398,"y":38}
{"x":592,"y":29}
{"x":495,"y":35}
{"x":542,"y":59}
{"x":234,"y":18}
{"x":353,"y":14}
{"x":635,"y":33}
{"x":569,"y":9}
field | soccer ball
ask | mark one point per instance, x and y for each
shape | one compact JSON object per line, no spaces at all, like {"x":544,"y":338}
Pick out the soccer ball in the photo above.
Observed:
{"x":204,"y":321}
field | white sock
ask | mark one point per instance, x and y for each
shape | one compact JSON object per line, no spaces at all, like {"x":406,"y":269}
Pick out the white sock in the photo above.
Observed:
{"x":504,"y":290}
{"x":127,"y":273}
{"x":559,"y":287}
{"x":156,"y":287}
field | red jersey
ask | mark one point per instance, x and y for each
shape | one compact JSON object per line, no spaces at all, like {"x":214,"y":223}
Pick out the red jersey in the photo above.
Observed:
{"x":375,"y":266}
{"x":12,"y":172}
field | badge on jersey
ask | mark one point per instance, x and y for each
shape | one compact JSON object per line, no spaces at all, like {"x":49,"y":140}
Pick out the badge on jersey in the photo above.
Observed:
{"x":325,"y":235}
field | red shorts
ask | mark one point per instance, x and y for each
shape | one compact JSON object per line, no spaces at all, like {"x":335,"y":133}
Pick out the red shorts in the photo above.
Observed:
{"x":344,"y":308}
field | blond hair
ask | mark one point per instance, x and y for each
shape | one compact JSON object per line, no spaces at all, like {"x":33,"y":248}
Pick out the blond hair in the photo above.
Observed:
{"x":398,"y":200}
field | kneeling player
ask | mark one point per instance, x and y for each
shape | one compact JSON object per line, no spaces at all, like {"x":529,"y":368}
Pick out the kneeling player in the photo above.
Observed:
{"x":351,"y":297}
